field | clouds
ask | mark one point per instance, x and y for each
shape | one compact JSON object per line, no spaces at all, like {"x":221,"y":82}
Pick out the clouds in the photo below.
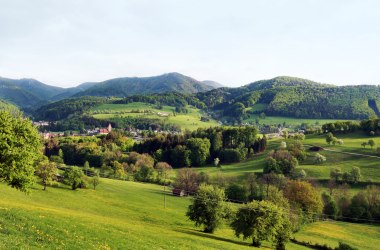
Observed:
{"x":234,"y":42}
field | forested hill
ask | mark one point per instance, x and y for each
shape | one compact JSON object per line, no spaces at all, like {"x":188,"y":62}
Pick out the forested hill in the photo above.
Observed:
{"x":128,"y":86}
{"x":26,"y":93}
{"x":280,"y":96}
{"x":294,"y":97}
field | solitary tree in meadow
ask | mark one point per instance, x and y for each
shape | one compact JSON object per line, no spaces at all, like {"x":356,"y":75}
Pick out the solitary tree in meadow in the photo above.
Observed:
{"x":208,"y":208}
{"x":260,"y":221}
{"x":371,"y":143}
{"x":47,"y":171}
{"x":74,"y":177}
{"x":329,"y":138}
{"x":86,"y":167}
{"x":95,"y":180}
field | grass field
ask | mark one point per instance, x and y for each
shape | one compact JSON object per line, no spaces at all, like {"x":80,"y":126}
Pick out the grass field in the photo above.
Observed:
{"x":352,"y":142}
{"x":369,"y":166}
{"x":357,"y":235}
{"x":129,"y":215}
{"x":289,"y":121}
{"x":191,"y":120}
{"x":119,"y":215}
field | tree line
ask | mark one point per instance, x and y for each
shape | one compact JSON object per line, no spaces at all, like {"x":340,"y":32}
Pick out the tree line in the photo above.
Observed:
{"x":203,"y":146}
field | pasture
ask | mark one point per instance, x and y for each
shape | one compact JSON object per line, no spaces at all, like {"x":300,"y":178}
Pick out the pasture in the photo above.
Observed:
{"x":369,"y":166}
{"x":130,"y":215}
{"x":288,"y":121}
{"x":190,"y":120}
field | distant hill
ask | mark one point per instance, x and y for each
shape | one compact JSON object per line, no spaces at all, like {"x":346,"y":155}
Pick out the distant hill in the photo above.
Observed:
{"x":70,"y":92}
{"x":128,"y":86}
{"x":27,"y":93}
{"x":30,"y":94}
{"x":295,"y":97}
{"x":279,"y":96}
{"x":213,"y":84}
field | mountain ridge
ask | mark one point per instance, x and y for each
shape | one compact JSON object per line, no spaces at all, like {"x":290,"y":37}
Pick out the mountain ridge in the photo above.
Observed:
{"x":30,"y":93}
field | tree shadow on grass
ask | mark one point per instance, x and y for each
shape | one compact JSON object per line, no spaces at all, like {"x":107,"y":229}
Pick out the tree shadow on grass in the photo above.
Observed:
{"x":210,"y":236}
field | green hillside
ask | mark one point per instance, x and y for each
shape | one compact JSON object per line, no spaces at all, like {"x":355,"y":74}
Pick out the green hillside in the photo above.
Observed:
{"x":339,"y":156}
{"x":189,"y":120}
{"x":278,"y":97}
{"x":294,"y":97}
{"x":131,"y":215}
{"x":121,"y":87}
{"x":26,"y":93}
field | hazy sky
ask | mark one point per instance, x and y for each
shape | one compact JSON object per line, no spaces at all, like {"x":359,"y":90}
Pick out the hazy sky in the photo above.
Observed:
{"x":234,"y":42}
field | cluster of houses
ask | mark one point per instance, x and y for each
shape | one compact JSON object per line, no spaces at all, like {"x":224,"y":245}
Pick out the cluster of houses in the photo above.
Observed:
{"x":97,"y":131}
{"x":100,"y":131}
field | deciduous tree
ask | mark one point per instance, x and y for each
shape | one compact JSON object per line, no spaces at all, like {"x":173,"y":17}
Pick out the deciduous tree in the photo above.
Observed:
{"x":262,"y":220}
{"x":19,"y":148}
{"x":47,"y":171}
{"x":208,"y":208}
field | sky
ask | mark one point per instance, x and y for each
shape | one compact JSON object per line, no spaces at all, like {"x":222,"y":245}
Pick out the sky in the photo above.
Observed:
{"x":234,"y":42}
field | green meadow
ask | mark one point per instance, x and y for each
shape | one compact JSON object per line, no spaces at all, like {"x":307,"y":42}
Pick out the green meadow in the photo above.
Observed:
{"x":118,"y":215}
{"x":361,"y":236}
{"x":190,"y":120}
{"x":289,"y":121}
{"x":130,"y":215}
{"x":369,"y":166}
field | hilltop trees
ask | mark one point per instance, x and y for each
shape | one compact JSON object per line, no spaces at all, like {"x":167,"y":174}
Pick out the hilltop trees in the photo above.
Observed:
{"x":19,"y":148}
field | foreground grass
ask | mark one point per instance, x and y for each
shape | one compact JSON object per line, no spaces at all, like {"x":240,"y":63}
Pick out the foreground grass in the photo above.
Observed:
{"x":129,"y":215}
{"x":119,"y":214}
{"x":358,"y":235}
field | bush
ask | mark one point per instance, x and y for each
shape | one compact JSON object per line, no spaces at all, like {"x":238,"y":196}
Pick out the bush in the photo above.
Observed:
{"x":345,"y":246}
{"x":236,"y":193}
{"x":74,"y":177}
{"x":319,"y":159}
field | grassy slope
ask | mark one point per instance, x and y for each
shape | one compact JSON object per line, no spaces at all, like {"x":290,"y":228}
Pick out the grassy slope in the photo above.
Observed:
{"x":330,"y":233}
{"x":352,"y":142}
{"x":130,"y":215}
{"x":117,"y":215}
{"x":369,"y":166}
{"x":191,"y":120}
{"x":290,"y":121}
